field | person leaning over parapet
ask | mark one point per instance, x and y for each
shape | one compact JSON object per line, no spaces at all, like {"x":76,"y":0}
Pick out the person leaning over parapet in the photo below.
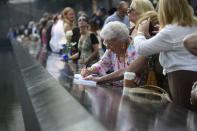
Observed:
{"x":119,"y":53}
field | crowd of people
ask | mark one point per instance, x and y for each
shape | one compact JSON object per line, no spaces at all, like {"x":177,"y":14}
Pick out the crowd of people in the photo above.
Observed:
{"x":161,"y":44}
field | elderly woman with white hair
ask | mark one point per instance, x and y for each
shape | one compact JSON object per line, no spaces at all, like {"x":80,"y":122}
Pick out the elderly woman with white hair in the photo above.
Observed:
{"x":119,"y":53}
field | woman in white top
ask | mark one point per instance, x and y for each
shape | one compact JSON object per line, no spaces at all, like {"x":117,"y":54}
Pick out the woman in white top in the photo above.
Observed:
{"x":176,"y":21}
{"x":58,"y":38}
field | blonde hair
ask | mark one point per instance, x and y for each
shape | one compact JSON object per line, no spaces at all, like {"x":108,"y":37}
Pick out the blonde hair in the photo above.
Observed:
{"x":66,"y":11}
{"x":141,"y":6}
{"x":153,"y":15}
{"x":175,"y":12}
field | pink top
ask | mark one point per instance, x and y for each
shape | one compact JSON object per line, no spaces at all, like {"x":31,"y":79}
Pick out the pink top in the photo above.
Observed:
{"x":109,"y":61}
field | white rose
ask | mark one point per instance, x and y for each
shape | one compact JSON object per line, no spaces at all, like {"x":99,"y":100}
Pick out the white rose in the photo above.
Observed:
{"x":69,"y":35}
{"x":73,"y":43}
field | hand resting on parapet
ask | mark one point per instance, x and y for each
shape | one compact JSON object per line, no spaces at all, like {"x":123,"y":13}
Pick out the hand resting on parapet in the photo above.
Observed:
{"x":93,"y":78}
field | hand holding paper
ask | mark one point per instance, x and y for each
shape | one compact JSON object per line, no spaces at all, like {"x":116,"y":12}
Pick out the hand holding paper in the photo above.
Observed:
{"x":78,"y":79}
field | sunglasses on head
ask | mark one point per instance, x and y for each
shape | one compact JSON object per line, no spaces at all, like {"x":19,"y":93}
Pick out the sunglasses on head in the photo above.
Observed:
{"x":82,"y":19}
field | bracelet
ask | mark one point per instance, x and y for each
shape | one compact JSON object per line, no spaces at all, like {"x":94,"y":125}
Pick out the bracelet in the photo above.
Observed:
{"x":140,"y":33}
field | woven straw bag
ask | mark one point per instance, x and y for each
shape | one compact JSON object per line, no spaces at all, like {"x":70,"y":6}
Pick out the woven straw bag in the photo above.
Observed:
{"x":147,"y":94}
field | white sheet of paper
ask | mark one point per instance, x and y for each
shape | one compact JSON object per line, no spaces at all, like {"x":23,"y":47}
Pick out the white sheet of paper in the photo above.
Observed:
{"x":78,"y":79}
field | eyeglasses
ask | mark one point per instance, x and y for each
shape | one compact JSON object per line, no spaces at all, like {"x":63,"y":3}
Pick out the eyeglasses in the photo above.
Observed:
{"x":107,"y":43}
{"x":129,"y":10}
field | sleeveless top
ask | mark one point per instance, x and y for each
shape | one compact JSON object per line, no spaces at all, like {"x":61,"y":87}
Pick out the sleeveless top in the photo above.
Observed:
{"x":86,"y":49}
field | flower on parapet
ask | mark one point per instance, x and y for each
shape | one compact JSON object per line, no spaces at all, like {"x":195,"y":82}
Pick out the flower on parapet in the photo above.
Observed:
{"x":64,"y":46}
{"x":65,"y":57}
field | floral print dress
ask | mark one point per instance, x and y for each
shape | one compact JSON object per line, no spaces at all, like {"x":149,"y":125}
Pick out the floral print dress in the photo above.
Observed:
{"x":86,"y":48}
{"x":110,"y":61}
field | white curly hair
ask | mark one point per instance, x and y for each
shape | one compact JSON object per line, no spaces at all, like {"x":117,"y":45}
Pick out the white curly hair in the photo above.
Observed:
{"x":115,"y":30}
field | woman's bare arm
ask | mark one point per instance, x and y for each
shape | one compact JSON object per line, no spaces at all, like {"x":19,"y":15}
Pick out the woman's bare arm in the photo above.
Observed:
{"x":136,"y":66}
